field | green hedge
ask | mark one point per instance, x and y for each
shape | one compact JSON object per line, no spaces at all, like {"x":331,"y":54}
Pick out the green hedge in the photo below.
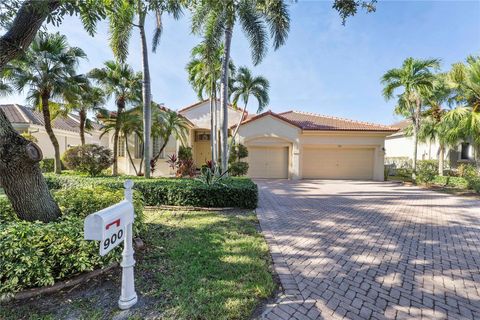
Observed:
{"x":235,"y":192}
{"x":34,"y":254}
{"x":455,"y":182}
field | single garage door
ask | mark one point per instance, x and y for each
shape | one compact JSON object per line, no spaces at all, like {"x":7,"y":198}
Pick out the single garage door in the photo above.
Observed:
{"x":268,"y":162}
{"x":337,"y":163}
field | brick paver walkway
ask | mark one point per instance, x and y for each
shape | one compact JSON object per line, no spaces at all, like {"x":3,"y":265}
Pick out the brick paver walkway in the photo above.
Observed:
{"x":366,"y":250}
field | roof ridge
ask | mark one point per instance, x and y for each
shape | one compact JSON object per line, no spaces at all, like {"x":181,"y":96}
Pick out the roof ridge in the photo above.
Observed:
{"x":342,"y":119}
{"x":20,"y":110}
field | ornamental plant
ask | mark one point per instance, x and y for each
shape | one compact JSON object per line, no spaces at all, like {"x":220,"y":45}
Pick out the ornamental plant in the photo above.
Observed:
{"x":90,"y":158}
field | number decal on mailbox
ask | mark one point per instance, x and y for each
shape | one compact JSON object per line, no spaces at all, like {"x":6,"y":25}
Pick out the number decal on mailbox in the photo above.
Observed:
{"x":110,"y":241}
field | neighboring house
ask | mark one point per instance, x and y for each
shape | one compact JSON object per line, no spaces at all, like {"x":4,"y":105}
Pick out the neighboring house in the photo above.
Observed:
{"x":400,"y":146}
{"x":66,"y":129}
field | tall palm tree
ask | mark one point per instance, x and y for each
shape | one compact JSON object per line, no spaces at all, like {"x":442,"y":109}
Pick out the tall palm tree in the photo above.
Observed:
{"x":216,"y":20}
{"x":47,"y":70}
{"x":122,"y":16}
{"x":204,"y":71}
{"x":168,"y":123}
{"x":464,"y":120}
{"x":416,"y":77}
{"x":246,"y":85}
{"x":128,"y":123}
{"x":120,"y":81}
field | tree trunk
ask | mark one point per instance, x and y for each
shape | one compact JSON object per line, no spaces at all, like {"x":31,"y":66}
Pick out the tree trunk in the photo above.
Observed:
{"x":224,"y":97}
{"x":83,"y":117}
{"x":25,"y":26}
{"x":146,"y":93}
{"x":130,"y":156}
{"x":416,"y":128}
{"x":164,"y":145}
{"x":21,"y":177}
{"x":212,"y":127}
{"x":441,"y":160}
{"x":237,"y":127}
{"x":48,"y":127}
{"x":116,"y":134}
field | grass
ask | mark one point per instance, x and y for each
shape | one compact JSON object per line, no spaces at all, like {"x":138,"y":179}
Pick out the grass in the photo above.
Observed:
{"x":195,"y":265}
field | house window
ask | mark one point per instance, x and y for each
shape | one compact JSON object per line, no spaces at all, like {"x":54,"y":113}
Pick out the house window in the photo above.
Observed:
{"x":465,"y":152}
{"x":157,"y":144}
{"x":138,"y":144}
{"x":202,"y":136}
{"x":121,"y":147}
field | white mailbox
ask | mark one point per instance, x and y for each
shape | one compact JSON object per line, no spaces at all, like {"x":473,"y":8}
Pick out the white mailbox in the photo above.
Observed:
{"x":108,"y":225}
{"x":112,"y":226}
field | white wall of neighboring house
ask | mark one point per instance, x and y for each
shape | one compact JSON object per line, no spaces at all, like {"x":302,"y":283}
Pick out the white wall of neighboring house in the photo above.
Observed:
{"x":65,"y":139}
{"x":397,"y":146}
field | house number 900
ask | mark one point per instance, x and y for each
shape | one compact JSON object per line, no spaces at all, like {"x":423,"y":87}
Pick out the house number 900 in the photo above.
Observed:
{"x":113,"y":238}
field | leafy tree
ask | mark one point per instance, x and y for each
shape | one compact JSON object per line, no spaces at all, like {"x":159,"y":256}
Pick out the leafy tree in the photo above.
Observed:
{"x":464,"y":120}
{"x":416,"y":77}
{"x":47,"y":71}
{"x":168,"y":123}
{"x":89,"y":158}
{"x":246,"y":85}
{"x":120,"y":81}
{"x":122,"y":16}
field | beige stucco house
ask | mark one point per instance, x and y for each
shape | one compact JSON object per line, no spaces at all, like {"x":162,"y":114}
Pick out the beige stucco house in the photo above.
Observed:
{"x":400,"y":146}
{"x":66,"y":129}
{"x":300,"y":145}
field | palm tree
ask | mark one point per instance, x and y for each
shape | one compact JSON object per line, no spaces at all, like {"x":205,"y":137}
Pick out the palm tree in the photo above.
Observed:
{"x":128,"y":123}
{"x":216,"y":20}
{"x":168,"y":123}
{"x":417,"y":80}
{"x":47,"y":69}
{"x":122,"y":16}
{"x":120,"y":81}
{"x":246,"y":85}
{"x":86,"y":98}
{"x":464,"y":120}
{"x":204,"y":71}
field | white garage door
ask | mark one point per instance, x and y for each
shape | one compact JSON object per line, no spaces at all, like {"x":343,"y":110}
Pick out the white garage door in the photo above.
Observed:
{"x":337,"y":163}
{"x":268,"y":162}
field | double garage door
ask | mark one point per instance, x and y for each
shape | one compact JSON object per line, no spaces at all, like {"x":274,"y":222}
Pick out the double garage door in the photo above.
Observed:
{"x":317,"y":163}
{"x":337,"y":163}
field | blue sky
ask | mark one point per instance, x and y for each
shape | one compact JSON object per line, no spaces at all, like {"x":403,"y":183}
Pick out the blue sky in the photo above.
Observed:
{"x":325,"y":67}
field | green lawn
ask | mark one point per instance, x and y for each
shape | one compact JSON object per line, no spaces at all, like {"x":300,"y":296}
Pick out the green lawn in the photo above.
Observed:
{"x":195,"y":265}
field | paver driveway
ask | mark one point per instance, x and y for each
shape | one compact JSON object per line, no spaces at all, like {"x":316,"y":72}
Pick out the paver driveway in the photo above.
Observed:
{"x":367,"y":250}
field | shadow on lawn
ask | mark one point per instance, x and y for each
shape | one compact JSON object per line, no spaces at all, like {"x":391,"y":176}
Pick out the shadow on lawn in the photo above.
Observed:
{"x":201,"y":265}
{"x":390,"y":252}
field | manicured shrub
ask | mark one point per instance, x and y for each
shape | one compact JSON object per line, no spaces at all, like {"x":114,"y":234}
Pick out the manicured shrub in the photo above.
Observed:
{"x":38,"y":254}
{"x":449,"y":181}
{"x":234,"y":192}
{"x":90,"y":158}
{"x":236,"y":166}
{"x":427,"y":170}
{"x":238,"y":169}
{"x":185,"y":153}
{"x":471,"y":174}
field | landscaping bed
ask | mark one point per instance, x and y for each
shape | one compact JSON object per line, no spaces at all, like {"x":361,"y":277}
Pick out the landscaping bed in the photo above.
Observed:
{"x":195,"y":265}
{"x":232,"y":192}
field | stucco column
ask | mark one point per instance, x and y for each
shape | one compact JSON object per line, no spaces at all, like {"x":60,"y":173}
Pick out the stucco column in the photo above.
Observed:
{"x":295,"y":164}
{"x":378,"y":164}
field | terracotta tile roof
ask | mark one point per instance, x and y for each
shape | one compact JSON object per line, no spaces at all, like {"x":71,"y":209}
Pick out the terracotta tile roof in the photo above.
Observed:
{"x":269,"y":113}
{"x":23,"y":115}
{"x":312,"y":121}
{"x":203,"y":101}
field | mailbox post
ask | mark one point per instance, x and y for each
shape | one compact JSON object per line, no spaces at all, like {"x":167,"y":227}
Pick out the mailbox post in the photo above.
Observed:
{"x":112,"y":226}
{"x":128,"y":295}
